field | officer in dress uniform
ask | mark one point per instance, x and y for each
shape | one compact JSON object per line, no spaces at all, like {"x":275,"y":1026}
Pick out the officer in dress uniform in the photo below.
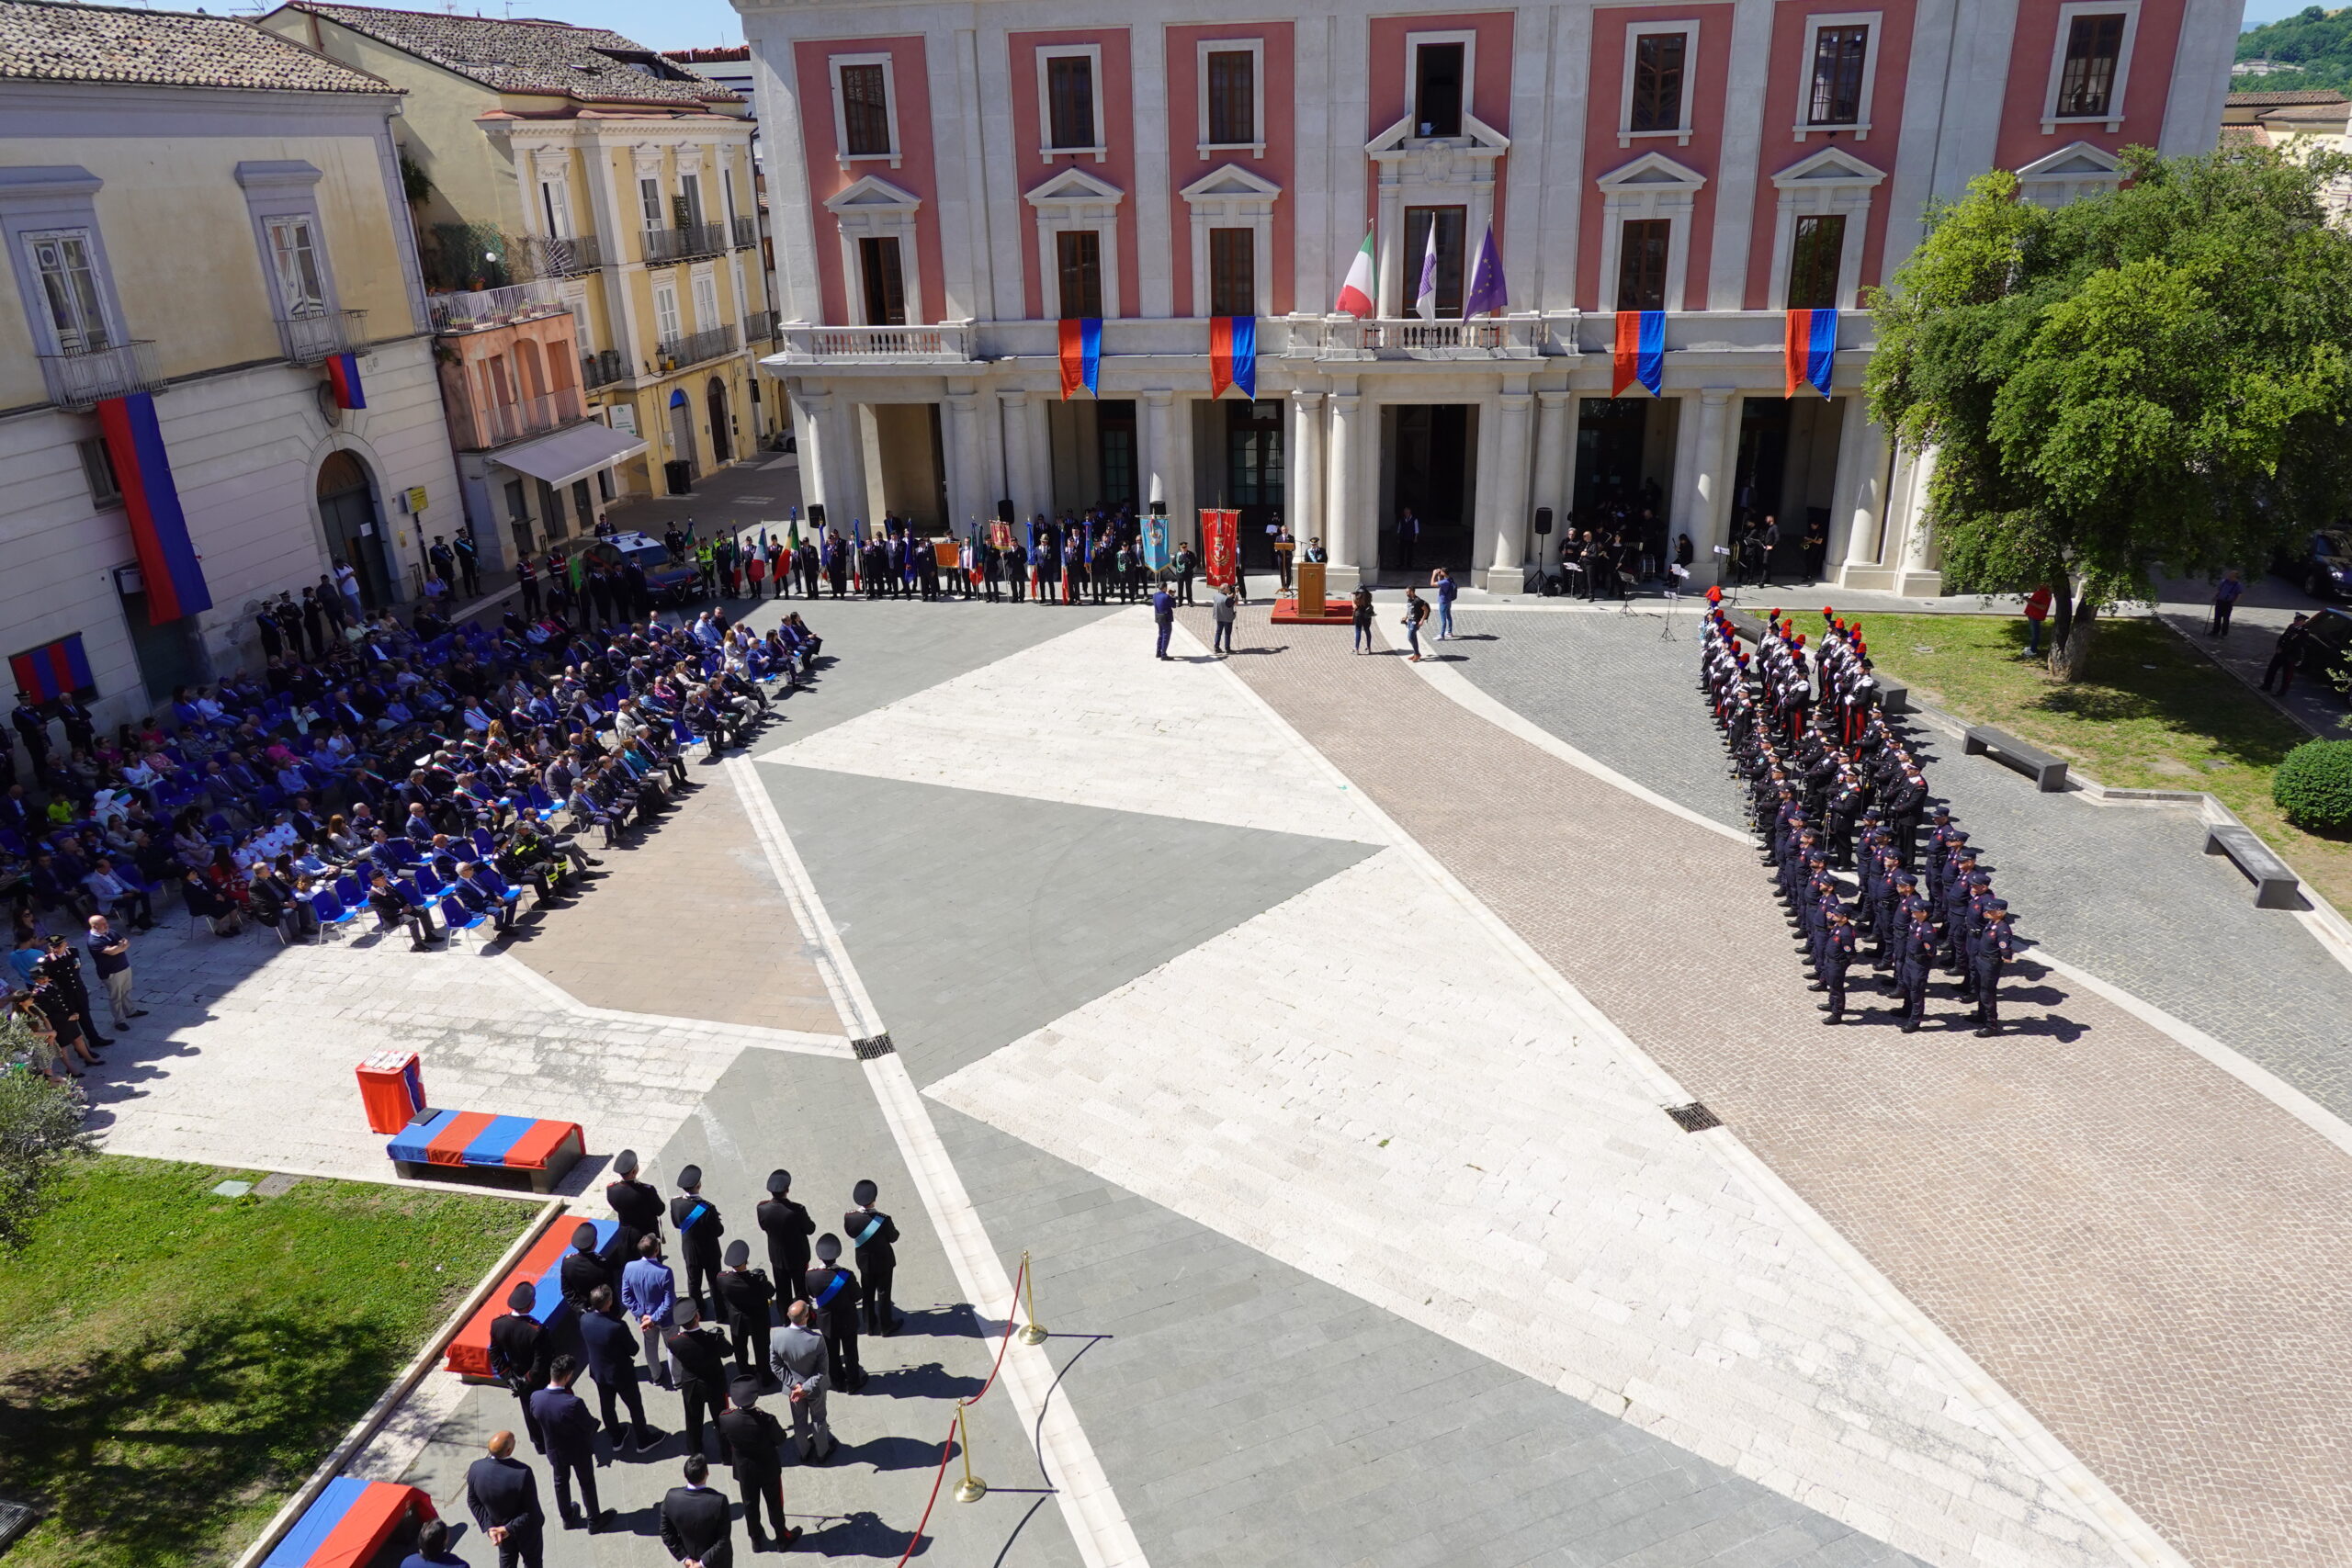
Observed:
{"x":1991,"y":955}
{"x":1837,"y":954}
{"x":520,"y":1355}
{"x":788,"y":1228}
{"x":871,"y":1237}
{"x":637,"y":1205}
{"x":700,"y":1357}
{"x":756,"y":1441}
{"x":699,"y":1228}
{"x":582,"y":1268}
{"x":832,"y":1291}
{"x":1911,"y":969}
{"x":746,"y":1301}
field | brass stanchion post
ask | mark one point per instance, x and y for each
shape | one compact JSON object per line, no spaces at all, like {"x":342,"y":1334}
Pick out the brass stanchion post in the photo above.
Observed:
{"x":1034,"y":1334}
{"x":971,"y":1489}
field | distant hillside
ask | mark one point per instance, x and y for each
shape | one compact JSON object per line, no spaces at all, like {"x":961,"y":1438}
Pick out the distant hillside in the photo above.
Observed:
{"x":2316,"y":43}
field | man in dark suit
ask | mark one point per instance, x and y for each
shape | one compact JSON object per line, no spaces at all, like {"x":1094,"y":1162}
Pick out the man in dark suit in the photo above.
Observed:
{"x":871,"y":1233}
{"x":582,"y":1270}
{"x":788,"y":1228}
{"x":611,"y":1343}
{"x":699,"y":1228}
{"x":504,"y":1498}
{"x":747,"y":1302}
{"x":519,"y":1353}
{"x":700,"y":1358}
{"x":570,"y":1434}
{"x":695,"y":1524}
{"x":757,"y":1442}
{"x":432,"y":1548}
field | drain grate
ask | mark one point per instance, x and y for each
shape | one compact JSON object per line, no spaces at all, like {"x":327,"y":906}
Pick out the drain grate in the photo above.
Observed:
{"x":16,"y":1518}
{"x":1693,"y":1117}
{"x":879,"y":1045}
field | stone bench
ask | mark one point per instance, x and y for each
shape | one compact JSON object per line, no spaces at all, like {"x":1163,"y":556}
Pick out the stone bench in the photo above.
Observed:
{"x":2274,"y":887}
{"x":2049,"y":773}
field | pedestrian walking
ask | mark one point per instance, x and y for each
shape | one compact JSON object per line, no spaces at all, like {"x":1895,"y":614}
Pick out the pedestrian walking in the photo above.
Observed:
{"x":1443,"y":581}
{"x":2227,"y":594}
{"x":1163,"y":616}
{"x":1223,"y":610}
{"x":1417,"y":609}
{"x":2287,"y":654}
{"x":1362,"y":605}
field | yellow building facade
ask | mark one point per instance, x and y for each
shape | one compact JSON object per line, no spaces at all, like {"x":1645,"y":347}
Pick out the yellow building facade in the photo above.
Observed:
{"x":572,"y":162}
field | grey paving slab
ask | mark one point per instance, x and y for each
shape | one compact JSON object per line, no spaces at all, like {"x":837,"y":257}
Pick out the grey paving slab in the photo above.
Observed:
{"x":975,"y":918}
{"x":1249,"y":1414}
{"x":817,"y":1118}
{"x":2127,"y":893}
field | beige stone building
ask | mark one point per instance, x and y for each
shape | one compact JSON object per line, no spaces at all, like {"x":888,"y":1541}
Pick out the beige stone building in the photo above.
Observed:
{"x":553,"y":166}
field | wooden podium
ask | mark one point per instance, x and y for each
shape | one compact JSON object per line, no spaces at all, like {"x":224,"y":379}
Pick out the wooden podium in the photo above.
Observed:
{"x":1308,"y":575}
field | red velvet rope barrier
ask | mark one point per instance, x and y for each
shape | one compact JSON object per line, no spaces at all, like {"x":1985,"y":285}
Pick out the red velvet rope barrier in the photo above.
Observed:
{"x":947,"y":1449}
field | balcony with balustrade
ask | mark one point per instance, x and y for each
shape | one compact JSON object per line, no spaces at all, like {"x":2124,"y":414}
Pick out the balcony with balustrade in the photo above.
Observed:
{"x":694,"y":348}
{"x":605,"y":367}
{"x":485,"y":310}
{"x":82,"y":378}
{"x":747,"y":233}
{"x":479,"y":427}
{"x":569,"y":256}
{"x":687,"y":241}
{"x":313,"y":337}
{"x":759,"y":326}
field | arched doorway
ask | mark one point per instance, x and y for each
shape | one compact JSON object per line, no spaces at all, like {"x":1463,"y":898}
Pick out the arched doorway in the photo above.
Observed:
{"x":355,"y":533}
{"x":682,"y":430}
{"x":722,"y":448}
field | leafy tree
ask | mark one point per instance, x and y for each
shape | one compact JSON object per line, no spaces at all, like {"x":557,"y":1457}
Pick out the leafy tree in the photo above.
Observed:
{"x":40,"y":1134}
{"x":2157,"y":374}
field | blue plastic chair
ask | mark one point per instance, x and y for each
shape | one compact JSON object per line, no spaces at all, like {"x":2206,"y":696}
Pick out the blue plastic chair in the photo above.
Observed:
{"x":429,"y":880}
{"x":484,"y":845}
{"x":331,"y":913}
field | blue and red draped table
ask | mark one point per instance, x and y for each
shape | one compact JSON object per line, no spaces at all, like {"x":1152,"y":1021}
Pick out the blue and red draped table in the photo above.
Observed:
{"x":442,"y":1143}
{"x":542,"y":1267}
{"x":350,"y":1523}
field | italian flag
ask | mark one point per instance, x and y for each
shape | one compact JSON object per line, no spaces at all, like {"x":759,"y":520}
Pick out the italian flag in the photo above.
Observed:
{"x":1357,"y":293}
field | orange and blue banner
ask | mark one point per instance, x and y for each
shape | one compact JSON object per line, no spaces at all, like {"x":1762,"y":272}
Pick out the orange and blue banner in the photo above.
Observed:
{"x":174,"y":581}
{"x":348,"y":1523}
{"x":1082,"y":352}
{"x":1233,"y":355}
{"x":1809,"y":350}
{"x":53,"y":669}
{"x":1641,"y":351}
{"x":342,"y":373}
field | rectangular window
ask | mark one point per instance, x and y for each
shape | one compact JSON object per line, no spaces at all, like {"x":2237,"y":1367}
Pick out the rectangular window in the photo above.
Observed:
{"x":1077,"y":255}
{"x":866,"y":111}
{"x":886,"y":283}
{"x":1641,"y":263}
{"x":98,"y":471}
{"x":1814,"y":255}
{"x":294,"y":253}
{"x":69,"y":286}
{"x":665,"y":315}
{"x":1437,"y":88}
{"x":1233,"y":97}
{"x":1658,"y":65}
{"x":689,"y":201}
{"x":1069,"y":100}
{"x":1233,"y":271}
{"x":557,"y":210}
{"x":2087,"y":82}
{"x":649,"y":197}
{"x":706,"y":302}
{"x":1453,"y":224}
{"x":1837,"y":57}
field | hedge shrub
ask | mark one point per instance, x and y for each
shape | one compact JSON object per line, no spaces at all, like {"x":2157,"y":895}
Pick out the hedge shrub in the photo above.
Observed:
{"x":2314,"y":786}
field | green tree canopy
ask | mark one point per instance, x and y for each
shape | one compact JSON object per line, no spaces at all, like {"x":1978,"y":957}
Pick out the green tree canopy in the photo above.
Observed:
{"x":2158,"y":374}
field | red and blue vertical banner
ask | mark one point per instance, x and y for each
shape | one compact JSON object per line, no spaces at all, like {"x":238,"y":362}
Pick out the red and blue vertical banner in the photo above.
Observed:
{"x":1640,"y":352}
{"x":343,"y":374}
{"x":167,"y":560}
{"x":1082,"y":352}
{"x":53,"y":669}
{"x":1233,"y":355}
{"x":1809,"y":350}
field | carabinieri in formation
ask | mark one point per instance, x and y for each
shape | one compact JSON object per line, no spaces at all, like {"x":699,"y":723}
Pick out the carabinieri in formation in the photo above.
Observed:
{"x":1833,"y":788}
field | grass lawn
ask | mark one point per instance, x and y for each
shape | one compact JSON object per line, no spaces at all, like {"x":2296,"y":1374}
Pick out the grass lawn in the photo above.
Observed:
{"x":2154,"y":714}
{"x":173,"y":1363}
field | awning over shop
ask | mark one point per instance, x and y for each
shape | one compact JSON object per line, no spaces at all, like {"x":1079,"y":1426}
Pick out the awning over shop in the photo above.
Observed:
{"x":570,"y":454}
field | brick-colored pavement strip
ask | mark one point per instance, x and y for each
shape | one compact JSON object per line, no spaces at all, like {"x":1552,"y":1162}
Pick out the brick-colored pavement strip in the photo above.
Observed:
{"x":2148,"y":1254}
{"x":688,"y":924}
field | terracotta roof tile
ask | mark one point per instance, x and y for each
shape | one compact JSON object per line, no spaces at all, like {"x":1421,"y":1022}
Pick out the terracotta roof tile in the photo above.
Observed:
{"x":529,"y":56}
{"x":47,"y":42}
{"x":2277,"y":100}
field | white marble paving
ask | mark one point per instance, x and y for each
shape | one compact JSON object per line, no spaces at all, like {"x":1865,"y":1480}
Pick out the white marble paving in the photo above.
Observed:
{"x":1090,"y":718}
{"x":1363,"y":1084}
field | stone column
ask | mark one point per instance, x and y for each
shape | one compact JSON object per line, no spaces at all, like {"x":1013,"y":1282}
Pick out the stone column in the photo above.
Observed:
{"x":1505,"y":572}
{"x":1040,"y":457}
{"x":839,"y":479}
{"x":1914,"y":575}
{"x":960,"y":443}
{"x":1861,"y":504}
{"x":1019,"y":482}
{"x":1158,"y":443}
{"x":1711,"y":480}
{"x":1303,"y":470}
{"x":1344,"y":528}
{"x":1556,"y":442}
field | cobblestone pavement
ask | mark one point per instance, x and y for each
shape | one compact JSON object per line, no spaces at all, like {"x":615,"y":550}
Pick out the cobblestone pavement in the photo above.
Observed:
{"x":2143,"y":1250}
{"x":2125,"y":892}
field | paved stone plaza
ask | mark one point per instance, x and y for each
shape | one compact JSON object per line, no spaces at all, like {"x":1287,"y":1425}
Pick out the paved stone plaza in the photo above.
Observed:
{"x":1310,"y":1019}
